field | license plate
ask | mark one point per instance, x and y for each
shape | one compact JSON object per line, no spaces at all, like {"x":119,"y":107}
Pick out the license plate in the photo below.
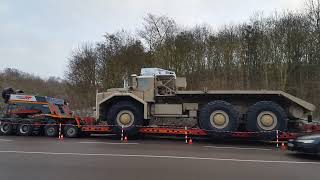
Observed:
{"x":290,"y":145}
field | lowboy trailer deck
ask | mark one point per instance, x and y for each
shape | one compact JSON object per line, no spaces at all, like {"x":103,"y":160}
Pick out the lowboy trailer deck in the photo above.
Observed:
{"x":302,"y":128}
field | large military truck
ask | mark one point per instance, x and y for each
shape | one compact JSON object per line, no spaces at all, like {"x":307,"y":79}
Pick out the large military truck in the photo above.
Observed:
{"x":158,"y":94}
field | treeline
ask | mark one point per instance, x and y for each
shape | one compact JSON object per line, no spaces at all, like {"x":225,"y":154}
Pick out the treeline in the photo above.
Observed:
{"x":32,"y":84}
{"x":35,"y":85}
{"x":278,"y":52}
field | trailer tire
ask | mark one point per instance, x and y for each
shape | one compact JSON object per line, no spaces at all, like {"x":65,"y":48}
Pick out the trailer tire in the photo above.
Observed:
{"x":25,"y":128}
{"x":70,"y":130}
{"x":51,"y":129}
{"x":218,"y":118}
{"x":126,"y":114}
{"x":6,"y":128}
{"x":266,"y":116}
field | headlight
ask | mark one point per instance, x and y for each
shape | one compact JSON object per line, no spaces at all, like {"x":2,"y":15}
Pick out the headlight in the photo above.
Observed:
{"x":306,"y":141}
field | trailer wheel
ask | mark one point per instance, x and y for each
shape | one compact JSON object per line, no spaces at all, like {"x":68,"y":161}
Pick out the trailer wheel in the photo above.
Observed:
{"x":51,"y":129}
{"x":217,"y":117}
{"x":25,"y":128}
{"x":125,"y":114}
{"x":266,"y":116}
{"x":6,"y":128}
{"x":70,"y":130}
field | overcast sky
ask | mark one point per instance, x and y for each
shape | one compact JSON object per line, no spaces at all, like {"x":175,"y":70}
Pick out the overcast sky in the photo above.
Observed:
{"x":38,"y":36}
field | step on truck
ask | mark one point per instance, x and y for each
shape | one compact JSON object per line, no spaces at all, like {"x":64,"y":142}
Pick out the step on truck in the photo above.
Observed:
{"x":157,"y":94}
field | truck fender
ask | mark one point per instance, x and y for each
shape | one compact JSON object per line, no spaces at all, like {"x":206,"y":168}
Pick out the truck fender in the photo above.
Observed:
{"x":131,"y":96}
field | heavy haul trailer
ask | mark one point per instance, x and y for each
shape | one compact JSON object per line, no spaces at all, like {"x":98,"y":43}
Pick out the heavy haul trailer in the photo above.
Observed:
{"x":301,"y":129}
{"x":28,"y":114}
{"x":157,"y":94}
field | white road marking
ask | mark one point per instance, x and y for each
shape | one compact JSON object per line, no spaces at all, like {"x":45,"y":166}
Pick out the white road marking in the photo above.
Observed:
{"x":165,"y":157}
{"x":7,"y":140}
{"x":96,"y":142}
{"x":241,"y":148}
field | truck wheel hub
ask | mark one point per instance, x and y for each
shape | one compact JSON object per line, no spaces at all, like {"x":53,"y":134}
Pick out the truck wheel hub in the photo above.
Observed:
{"x":125,"y":118}
{"x":219,"y":119}
{"x":51,"y":130}
{"x":5,"y":127}
{"x":24,"y":128}
{"x":267,"y":120}
{"x":71,"y":131}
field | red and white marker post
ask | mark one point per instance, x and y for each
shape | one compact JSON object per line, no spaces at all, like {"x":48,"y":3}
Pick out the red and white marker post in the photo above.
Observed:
{"x":277,"y":138}
{"x":122,"y":134}
{"x":186,"y":134}
{"x":60,"y":132}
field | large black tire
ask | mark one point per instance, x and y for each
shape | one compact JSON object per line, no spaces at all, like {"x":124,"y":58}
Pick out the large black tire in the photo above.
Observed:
{"x":25,"y":128}
{"x":209,"y":112}
{"x":136,"y":121}
{"x":70,"y":130}
{"x":278,"y":115}
{"x":51,"y":129}
{"x":6,"y":128}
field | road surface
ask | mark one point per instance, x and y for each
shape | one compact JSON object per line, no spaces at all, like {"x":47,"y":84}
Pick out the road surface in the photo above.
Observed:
{"x":104,"y":158}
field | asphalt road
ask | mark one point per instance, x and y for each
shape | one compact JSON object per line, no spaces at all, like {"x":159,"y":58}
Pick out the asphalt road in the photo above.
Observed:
{"x":33,"y":158}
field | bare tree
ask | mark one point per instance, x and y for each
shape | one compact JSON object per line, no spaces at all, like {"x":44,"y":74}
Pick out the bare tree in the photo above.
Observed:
{"x":157,"y":29}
